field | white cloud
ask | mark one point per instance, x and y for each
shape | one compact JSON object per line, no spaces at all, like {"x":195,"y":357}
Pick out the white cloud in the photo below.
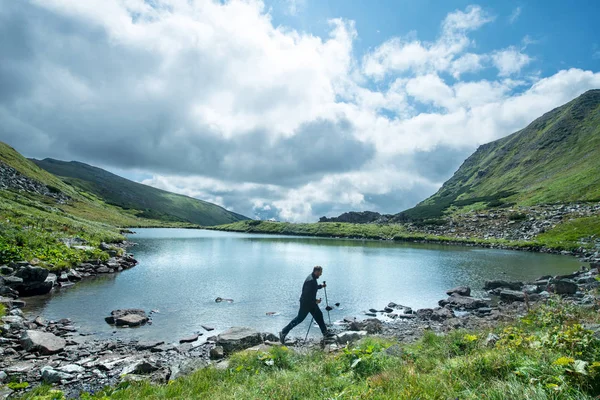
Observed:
{"x":514,"y":16}
{"x":214,"y":101}
{"x":510,"y":61}
{"x":400,"y":55}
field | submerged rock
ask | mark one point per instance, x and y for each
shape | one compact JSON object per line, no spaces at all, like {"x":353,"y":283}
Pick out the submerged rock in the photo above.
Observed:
{"x":129,"y":317}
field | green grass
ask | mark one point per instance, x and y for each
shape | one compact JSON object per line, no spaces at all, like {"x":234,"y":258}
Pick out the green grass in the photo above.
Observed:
{"x":2,"y":310}
{"x":556,"y":159}
{"x":572,"y":234}
{"x":546,"y":355}
{"x":566,"y":236}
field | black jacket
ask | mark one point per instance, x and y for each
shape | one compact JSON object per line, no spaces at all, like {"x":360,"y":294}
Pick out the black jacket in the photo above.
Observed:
{"x":309,"y":291}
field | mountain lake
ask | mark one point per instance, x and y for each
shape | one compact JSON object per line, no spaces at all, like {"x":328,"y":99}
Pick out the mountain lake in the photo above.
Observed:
{"x":182,"y":271}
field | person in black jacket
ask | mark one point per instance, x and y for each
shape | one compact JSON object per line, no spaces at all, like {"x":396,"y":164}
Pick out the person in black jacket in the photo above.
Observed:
{"x":308,"y":304}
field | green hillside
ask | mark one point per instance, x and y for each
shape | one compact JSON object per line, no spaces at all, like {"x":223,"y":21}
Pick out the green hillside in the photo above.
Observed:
{"x":556,"y":159}
{"x":148,"y":202}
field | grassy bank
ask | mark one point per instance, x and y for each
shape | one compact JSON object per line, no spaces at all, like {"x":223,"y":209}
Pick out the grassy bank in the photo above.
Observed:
{"x":31,"y":227}
{"x":546,"y":355}
{"x":566,"y":236}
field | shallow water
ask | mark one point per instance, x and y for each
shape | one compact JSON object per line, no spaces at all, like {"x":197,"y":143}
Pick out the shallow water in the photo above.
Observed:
{"x":181,"y":272}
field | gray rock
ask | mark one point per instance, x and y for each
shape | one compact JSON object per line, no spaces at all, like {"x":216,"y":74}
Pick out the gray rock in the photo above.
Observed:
{"x":238,"y":338}
{"x":30,"y":273}
{"x":424,"y":313}
{"x":187,"y":367}
{"x":511,"y":295}
{"x":74,"y":276}
{"x":440,"y":314}
{"x":147,"y":345}
{"x":371,"y":325}
{"x":460,"y":290}
{"x":42,"y":342}
{"x":190,"y":339}
{"x":491,"y":340}
{"x":463,"y":302}
{"x":71,"y":369}
{"x":3,"y":376}
{"x":131,"y":320}
{"x":495,"y":284}
{"x":564,"y":286}
{"x":103,"y":269}
{"x":117,"y":317}
{"x":50,"y":375}
{"x":140,"y":367}
{"x":6,"y":270}
{"x":208,"y":328}
{"x":350,"y":336}
{"x":216,"y":353}
{"x":12,"y":281}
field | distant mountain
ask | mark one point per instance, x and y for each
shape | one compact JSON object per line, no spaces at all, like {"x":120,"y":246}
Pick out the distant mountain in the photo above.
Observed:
{"x":151,"y":203}
{"x":556,"y":159}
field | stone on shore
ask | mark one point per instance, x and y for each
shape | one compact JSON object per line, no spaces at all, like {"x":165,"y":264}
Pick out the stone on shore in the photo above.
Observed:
{"x":495,"y":284}
{"x":238,"y":338}
{"x":42,"y":342}
{"x":350,"y":336}
{"x":371,"y":325}
{"x":511,"y":295}
{"x":190,"y":339}
{"x":464,"y":302}
{"x":50,"y":375}
{"x":217,"y":353}
{"x":564,"y":286}
{"x":460,"y":290}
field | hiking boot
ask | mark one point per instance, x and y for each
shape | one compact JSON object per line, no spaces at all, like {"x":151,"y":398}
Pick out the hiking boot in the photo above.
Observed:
{"x":329,"y":334}
{"x":282,"y":337}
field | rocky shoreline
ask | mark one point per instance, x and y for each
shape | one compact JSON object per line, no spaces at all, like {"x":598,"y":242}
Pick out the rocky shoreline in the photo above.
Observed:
{"x":54,"y":352}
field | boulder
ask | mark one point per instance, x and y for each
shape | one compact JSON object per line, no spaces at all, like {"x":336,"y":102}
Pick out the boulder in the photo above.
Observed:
{"x":371,"y":325}
{"x":73,"y":275}
{"x":495,"y":284}
{"x":207,"y":328}
{"x":190,"y":339}
{"x":463,"y":302}
{"x":350,"y":336}
{"x":186,"y":367}
{"x":30,"y":273}
{"x":511,"y":295}
{"x":564,"y":286}
{"x":71,"y":369}
{"x":129,"y":316}
{"x":50,"y":375}
{"x":140,"y":367}
{"x":424,"y":313}
{"x":6,"y":270}
{"x":35,"y":288}
{"x":238,"y":338}
{"x":42,"y":342}
{"x":440,"y":314}
{"x":217,"y":353}
{"x":460,"y":290}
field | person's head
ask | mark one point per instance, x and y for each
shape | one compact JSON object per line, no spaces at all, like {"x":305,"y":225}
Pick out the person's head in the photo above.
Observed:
{"x":317,"y":271}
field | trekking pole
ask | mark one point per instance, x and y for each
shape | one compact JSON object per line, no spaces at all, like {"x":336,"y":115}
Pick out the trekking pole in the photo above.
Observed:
{"x":327,"y":302}
{"x":311,"y":321}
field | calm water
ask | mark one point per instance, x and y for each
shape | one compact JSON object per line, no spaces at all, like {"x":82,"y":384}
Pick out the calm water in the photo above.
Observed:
{"x":181,"y":272}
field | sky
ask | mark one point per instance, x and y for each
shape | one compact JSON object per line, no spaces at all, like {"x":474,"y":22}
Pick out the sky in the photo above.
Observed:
{"x":286,"y":109}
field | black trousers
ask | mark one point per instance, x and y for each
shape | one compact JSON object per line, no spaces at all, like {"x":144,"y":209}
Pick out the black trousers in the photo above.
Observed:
{"x":305,"y":309}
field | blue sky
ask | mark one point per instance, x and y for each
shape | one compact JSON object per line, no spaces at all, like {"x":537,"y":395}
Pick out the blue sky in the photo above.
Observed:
{"x":286,"y":109}
{"x":564,"y":33}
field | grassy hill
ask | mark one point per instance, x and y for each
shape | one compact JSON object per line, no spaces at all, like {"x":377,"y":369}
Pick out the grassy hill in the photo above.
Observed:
{"x":146,"y":201}
{"x":556,"y":159}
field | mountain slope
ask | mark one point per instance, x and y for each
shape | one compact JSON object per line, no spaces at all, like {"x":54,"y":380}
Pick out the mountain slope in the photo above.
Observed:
{"x":556,"y":159}
{"x":151,"y":202}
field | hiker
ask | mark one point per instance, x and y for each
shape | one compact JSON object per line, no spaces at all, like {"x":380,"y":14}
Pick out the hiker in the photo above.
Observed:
{"x":309,"y":304}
